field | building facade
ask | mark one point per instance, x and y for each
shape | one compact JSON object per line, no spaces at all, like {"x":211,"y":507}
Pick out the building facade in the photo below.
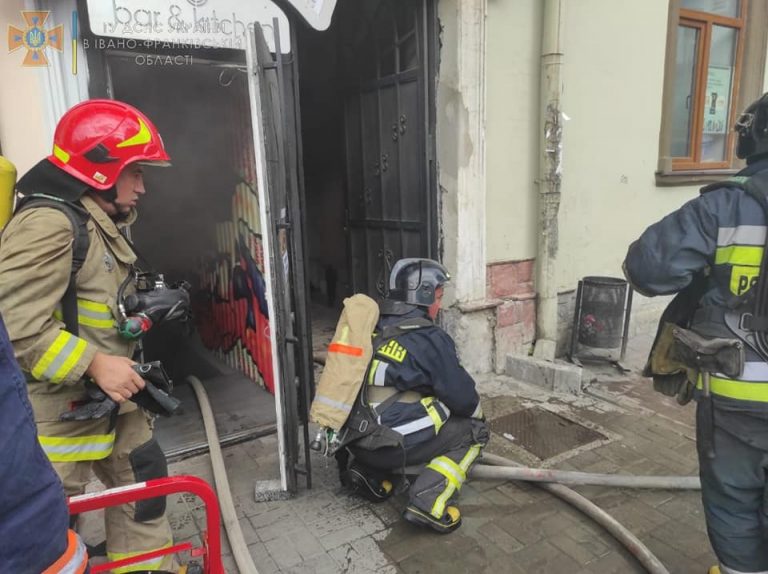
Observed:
{"x":553,"y":132}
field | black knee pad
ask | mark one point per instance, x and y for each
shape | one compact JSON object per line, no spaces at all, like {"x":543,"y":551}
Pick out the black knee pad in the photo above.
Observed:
{"x":480,"y":432}
{"x":148,"y":462}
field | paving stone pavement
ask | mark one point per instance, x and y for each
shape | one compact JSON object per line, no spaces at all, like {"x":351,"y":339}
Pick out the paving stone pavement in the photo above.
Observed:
{"x":507,"y":527}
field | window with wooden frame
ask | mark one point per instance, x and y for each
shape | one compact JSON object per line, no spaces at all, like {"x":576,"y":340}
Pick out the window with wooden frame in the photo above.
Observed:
{"x":709,"y":49}
{"x":715,"y":63}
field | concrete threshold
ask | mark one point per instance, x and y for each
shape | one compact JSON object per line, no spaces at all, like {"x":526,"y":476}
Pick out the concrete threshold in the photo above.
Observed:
{"x":557,"y":376}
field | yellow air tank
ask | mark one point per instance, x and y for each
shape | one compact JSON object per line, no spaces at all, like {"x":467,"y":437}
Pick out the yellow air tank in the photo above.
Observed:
{"x":7,"y":187}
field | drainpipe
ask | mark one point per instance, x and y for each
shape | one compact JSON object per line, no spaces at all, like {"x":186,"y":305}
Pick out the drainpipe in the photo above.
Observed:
{"x":550,"y":179}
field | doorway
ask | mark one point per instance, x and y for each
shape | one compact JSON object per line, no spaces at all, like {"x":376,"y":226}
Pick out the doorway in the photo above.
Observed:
{"x":198,"y":223}
{"x":367,"y":100}
{"x":366,"y":138}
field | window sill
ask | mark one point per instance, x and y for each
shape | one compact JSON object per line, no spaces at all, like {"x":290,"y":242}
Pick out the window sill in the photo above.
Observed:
{"x":680,"y":178}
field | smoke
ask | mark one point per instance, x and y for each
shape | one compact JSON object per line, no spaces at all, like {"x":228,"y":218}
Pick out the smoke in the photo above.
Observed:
{"x":184,"y":202}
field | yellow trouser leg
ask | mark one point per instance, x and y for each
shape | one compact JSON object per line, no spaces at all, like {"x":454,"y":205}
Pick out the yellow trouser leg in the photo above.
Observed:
{"x":125,"y":536}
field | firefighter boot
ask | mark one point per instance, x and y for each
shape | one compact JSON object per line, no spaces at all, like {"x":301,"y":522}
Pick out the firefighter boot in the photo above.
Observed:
{"x":366,"y":484}
{"x":449,"y":522}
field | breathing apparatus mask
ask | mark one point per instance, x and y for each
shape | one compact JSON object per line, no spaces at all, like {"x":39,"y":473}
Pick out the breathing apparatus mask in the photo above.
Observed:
{"x":153,"y":303}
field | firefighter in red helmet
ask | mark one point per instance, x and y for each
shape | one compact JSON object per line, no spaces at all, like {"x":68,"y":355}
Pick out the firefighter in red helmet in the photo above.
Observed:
{"x":63,"y":260}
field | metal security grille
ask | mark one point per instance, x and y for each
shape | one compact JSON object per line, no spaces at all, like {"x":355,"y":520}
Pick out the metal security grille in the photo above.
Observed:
{"x":386,"y":124}
{"x":543,"y":433}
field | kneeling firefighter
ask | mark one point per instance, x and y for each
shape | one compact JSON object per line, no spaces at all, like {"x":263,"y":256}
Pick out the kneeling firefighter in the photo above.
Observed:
{"x":75,"y":305}
{"x":711,"y":343}
{"x":393,"y":394}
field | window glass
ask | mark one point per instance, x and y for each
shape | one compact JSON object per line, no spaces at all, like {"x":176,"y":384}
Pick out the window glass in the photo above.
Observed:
{"x":717,"y":95}
{"x":721,"y":7}
{"x":687,"y":40}
{"x":409,"y":55}
{"x":386,"y":33}
{"x":387,"y":62}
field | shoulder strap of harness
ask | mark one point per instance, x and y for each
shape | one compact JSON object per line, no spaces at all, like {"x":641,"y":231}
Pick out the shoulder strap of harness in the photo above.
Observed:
{"x":390,"y":332}
{"x":362,"y":426}
{"x":754,"y":304}
{"x":397,"y":329}
{"x":78,"y":218}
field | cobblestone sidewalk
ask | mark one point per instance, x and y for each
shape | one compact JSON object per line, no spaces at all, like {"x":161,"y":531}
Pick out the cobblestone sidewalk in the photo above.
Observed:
{"x":507,"y":527}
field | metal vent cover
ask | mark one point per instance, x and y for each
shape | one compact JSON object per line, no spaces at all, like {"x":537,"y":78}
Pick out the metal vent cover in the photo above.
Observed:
{"x":543,"y":433}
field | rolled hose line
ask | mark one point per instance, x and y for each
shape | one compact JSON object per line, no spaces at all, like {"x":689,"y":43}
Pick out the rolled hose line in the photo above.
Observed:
{"x":245,"y":564}
{"x":631,"y":542}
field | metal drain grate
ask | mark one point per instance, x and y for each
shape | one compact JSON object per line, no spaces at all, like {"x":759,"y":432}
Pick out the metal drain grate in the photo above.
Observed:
{"x":543,"y":433}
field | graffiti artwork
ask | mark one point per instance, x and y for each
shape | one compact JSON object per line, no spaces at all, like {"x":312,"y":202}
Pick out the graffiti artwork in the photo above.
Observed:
{"x":231,"y":311}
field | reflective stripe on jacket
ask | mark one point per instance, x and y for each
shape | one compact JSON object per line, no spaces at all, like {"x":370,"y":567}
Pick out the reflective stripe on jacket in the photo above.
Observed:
{"x":77,"y":448}
{"x":722,"y":232}
{"x":35,"y":265}
{"x":74,"y":560}
{"x":143,"y":566}
{"x":424,"y":363}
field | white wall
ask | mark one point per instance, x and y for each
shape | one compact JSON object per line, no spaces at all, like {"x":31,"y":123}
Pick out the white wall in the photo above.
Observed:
{"x":513,"y":40}
{"x":613,"y":76}
{"x":22,"y":110}
{"x":613,"y":71}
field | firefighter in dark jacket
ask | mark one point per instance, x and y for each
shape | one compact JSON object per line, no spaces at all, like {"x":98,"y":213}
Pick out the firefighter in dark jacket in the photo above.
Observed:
{"x":34,"y":520}
{"x":436,"y":410}
{"x":714,"y":244}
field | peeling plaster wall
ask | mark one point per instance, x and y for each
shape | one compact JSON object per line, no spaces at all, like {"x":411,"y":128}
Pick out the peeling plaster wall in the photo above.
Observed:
{"x":613,"y":95}
{"x":460,"y":153}
{"x":513,"y":55}
{"x":460,"y":117}
{"x":22,"y":111}
{"x":449,"y":106}
{"x":613,"y":82}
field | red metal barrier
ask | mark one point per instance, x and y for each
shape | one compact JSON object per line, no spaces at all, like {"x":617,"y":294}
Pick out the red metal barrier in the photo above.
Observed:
{"x":210,"y":551}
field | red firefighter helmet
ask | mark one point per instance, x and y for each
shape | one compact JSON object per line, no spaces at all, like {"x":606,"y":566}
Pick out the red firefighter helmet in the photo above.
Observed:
{"x":96,"y":139}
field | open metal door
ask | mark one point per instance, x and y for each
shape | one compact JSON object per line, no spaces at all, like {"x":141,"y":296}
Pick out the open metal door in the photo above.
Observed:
{"x":389,"y":203}
{"x":273,"y":95}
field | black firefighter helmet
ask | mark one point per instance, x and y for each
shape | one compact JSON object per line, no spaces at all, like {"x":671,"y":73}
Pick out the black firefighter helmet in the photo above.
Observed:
{"x":414,"y":281}
{"x":752,"y":129}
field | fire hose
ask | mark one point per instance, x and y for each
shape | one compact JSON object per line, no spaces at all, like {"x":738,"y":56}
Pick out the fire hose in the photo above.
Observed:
{"x":498,"y":468}
{"x":245,"y":564}
{"x":506,"y":469}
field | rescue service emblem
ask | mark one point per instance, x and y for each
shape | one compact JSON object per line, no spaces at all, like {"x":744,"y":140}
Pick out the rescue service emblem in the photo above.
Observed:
{"x":393,"y":350}
{"x":109,"y":263}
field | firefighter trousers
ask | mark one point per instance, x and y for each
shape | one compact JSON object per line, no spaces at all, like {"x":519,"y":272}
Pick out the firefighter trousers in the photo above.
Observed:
{"x":449,"y":456}
{"x":734,"y":491}
{"x":135,"y":457}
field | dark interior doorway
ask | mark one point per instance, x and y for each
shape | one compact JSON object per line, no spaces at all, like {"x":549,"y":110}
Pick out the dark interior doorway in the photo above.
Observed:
{"x":185,"y":229}
{"x":366,"y":90}
{"x":366,"y":95}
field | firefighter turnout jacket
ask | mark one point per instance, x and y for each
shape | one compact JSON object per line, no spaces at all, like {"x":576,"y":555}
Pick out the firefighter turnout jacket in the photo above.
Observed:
{"x":36,"y":253}
{"x":422,"y":364}
{"x":35,"y":265}
{"x":718,"y":237}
